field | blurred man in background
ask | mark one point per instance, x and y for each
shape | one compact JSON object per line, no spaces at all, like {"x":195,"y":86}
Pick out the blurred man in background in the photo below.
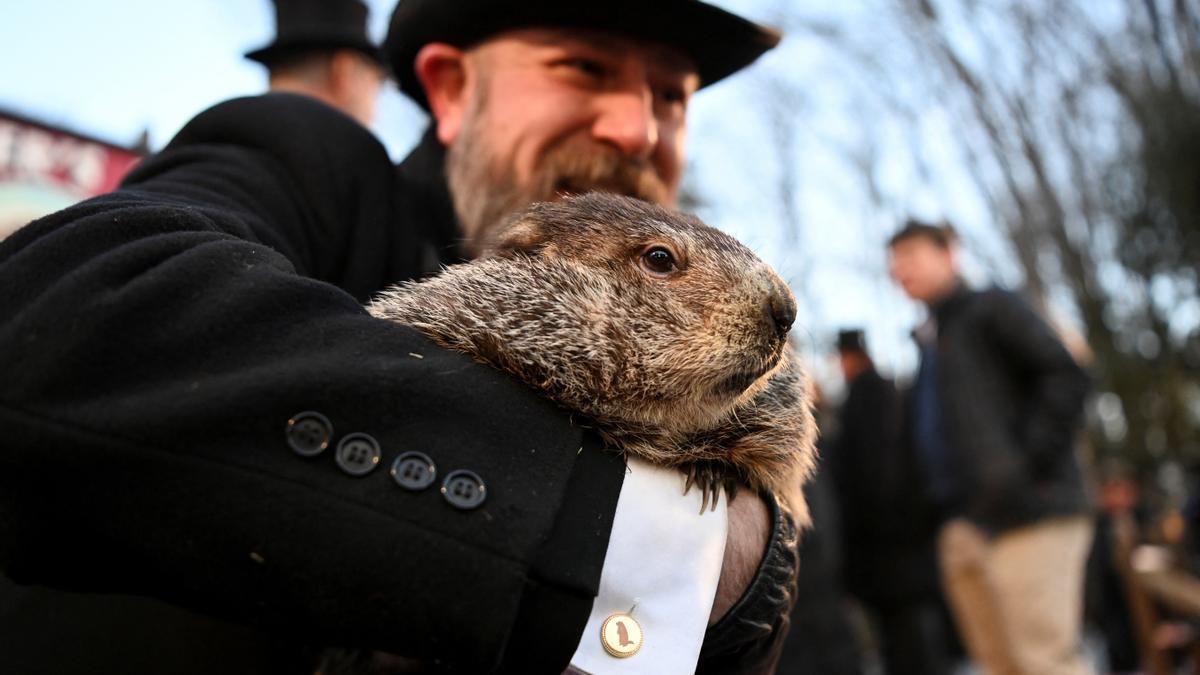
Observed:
{"x":1119,"y":521}
{"x":321,"y":49}
{"x":995,"y":408}
{"x":888,"y":529}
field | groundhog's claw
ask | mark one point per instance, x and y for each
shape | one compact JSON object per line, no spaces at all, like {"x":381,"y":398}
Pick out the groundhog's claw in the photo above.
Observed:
{"x":712,"y":479}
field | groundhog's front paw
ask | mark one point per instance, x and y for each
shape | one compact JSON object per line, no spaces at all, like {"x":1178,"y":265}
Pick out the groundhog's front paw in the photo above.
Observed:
{"x":711,"y":478}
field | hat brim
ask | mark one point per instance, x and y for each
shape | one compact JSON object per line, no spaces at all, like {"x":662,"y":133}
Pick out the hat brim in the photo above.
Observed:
{"x":290,"y":46}
{"x":718,"y":42}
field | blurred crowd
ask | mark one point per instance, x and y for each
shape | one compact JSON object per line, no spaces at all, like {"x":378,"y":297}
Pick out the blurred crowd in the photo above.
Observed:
{"x":961,"y":524}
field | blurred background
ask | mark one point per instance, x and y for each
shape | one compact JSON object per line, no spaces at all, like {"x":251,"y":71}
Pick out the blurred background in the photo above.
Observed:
{"x":1061,"y":138}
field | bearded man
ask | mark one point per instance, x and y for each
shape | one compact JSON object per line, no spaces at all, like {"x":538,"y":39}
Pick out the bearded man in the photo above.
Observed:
{"x":192,"y":424}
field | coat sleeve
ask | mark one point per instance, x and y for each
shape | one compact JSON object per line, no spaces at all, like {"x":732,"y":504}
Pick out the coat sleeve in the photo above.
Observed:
{"x":1056,"y":386}
{"x":156,"y":342}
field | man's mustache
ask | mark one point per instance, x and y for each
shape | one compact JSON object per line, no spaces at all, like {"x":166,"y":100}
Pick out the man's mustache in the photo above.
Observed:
{"x":570,"y":169}
{"x":485,"y":190}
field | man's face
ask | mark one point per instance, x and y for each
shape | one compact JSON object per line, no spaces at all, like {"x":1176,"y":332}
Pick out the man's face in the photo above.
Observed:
{"x":1119,"y":496}
{"x":924,"y":269}
{"x":557,"y":111}
{"x":851,"y":364}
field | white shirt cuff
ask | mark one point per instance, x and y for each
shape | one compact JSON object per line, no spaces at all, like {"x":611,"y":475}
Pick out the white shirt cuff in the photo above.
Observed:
{"x":662,"y":566}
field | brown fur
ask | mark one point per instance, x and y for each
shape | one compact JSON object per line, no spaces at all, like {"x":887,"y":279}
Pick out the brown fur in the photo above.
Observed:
{"x":686,"y":370}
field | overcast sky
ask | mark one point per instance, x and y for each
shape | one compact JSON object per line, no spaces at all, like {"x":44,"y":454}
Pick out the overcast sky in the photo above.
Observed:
{"x":116,"y":69}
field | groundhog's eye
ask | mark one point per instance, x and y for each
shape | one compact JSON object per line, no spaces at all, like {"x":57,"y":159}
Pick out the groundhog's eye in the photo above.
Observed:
{"x":659,"y":261}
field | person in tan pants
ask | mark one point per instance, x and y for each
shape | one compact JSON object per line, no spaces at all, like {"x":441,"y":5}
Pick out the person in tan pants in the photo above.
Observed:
{"x":992,"y":418}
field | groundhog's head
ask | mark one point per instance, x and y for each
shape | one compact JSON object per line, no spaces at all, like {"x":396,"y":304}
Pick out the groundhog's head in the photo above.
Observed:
{"x":683,"y":322}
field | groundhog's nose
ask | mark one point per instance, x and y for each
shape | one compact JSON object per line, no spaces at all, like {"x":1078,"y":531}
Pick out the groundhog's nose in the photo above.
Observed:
{"x":781,"y":309}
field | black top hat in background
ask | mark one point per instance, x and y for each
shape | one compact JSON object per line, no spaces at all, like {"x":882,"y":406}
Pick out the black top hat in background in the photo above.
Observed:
{"x":852,"y":340}
{"x":720,"y":43}
{"x":310,"y":25}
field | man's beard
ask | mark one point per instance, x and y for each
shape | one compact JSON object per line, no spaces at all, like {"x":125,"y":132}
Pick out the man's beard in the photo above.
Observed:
{"x":484,"y":194}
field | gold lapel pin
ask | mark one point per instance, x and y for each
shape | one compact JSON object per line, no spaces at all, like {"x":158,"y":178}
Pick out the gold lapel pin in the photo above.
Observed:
{"x":621,"y":635}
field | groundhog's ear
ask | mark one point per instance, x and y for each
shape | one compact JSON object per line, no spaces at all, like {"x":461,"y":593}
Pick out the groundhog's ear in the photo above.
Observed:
{"x":520,"y":236}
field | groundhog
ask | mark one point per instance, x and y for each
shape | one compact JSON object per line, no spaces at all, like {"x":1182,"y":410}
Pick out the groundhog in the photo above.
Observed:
{"x":668,"y":335}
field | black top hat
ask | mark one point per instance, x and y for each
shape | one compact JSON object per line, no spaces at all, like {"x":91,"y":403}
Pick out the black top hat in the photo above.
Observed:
{"x":720,"y":43}
{"x":309,"y":25}
{"x":853,"y":340}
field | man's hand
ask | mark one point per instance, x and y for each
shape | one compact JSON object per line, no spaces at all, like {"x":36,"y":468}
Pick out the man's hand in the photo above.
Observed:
{"x":749,"y":530}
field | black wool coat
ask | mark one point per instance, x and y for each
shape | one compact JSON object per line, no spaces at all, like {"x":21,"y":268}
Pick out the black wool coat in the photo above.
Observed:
{"x":175,"y":357}
{"x":1012,"y":404}
{"x":154,"y":344}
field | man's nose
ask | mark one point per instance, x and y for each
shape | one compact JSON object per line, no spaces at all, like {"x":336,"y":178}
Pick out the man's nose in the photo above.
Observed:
{"x":626,"y":122}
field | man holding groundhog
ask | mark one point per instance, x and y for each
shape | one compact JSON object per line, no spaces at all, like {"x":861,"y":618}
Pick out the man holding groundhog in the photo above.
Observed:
{"x":212,"y":420}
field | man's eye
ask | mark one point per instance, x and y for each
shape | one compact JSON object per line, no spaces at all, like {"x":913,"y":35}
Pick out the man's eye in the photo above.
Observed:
{"x":672,"y":95}
{"x":588,"y":67}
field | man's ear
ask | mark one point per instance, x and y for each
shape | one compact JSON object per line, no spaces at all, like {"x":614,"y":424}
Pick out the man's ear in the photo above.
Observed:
{"x":444,"y":73}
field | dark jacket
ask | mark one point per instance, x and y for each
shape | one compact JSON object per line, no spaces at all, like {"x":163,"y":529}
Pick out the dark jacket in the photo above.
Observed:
{"x":155,"y":343}
{"x":821,"y":639}
{"x":1012,"y":401}
{"x":888,"y":527}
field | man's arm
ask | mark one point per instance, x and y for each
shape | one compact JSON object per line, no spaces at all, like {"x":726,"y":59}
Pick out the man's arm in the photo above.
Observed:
{"x":1057,"y":384}
{"x":157,"y":341}
{"x":750,"y":528}
{"x":156,"y":344}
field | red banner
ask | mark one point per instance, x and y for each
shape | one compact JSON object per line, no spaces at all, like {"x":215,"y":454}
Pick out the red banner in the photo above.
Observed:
{"x":44,"y":169}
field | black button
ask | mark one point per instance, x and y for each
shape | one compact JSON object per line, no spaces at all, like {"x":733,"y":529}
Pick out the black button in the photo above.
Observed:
{"x":414,"y":471}
{"x":309,"y":433}
{"x":358,"y":454}
{"x":464,"y":489}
